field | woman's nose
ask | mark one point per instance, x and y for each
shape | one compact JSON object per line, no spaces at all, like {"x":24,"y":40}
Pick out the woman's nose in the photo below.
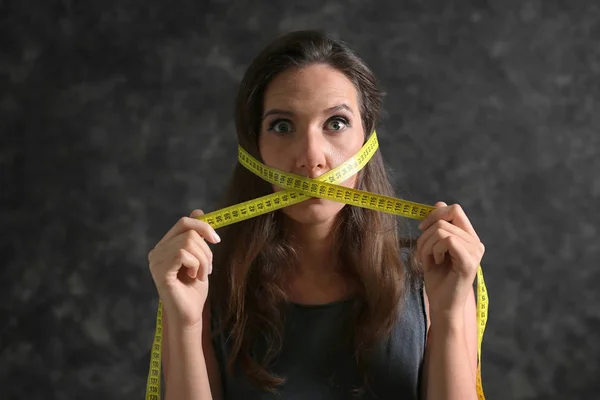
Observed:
{"x":310,"y":159}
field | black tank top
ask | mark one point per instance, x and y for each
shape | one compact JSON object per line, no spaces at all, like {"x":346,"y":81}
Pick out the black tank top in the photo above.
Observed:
{"x":318,"y":363}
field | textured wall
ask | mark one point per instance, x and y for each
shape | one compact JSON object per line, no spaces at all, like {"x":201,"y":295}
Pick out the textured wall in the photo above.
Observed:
{"x":116,"y":119}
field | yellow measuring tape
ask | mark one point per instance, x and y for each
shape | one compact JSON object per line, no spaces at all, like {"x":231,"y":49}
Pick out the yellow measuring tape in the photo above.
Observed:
{"x":298,"y":189}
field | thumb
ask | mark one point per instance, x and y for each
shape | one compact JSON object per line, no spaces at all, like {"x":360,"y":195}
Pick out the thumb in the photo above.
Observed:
{"x":196,"y":213}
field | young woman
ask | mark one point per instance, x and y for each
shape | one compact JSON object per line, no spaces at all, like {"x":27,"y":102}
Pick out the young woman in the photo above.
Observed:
{"x":317,"y":300}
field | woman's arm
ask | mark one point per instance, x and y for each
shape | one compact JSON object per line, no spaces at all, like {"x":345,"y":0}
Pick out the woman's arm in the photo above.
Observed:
{"x":189,"y":364}
{"x":450,"y":252}
{"x":451,"y":355}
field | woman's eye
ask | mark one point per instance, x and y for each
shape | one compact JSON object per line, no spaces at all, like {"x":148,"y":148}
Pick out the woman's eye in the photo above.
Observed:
{"x":337,"y":124}
{"x":281,"y":126}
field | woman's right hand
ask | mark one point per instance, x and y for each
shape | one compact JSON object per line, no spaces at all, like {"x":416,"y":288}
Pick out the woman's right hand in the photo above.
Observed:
{"x":180,"y":264}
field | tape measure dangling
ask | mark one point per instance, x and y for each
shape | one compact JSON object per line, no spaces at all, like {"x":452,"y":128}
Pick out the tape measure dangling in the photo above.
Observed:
{"x":299,"y":189}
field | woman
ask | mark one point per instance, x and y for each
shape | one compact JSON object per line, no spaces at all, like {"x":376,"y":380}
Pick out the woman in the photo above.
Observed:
{"x":316,"y":301}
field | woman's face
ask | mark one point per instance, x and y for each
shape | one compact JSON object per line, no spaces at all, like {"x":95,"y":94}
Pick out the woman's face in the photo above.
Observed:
{"x":310,"y":125}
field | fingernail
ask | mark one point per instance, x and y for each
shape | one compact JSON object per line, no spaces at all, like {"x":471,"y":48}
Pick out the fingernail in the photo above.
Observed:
{"x":421,"y":226}
{"x":210,"y":269}
{"x":216,"y":237}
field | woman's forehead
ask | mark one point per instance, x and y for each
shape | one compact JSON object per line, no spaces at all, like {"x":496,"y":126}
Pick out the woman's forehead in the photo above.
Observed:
{"x":318,"y":86}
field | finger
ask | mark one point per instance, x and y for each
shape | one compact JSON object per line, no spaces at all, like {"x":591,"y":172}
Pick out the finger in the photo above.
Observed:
{"x":446,"y":226}
{"x":196,"y":213}
{"x":203,"y":246}
{"x":202,"y":252}
{"x":440,"y":235}
{"x":458,"y":253}
{"x":164,"y":249}
{"x":475,"y":248}
{"x":193,"y":242}
{"x":439,"y":250}
{"x":205,"y":265}
{"x":186,"y":224}
{"x":187,"y":260}
{"x":453,"y":214}
{"x":432,"y":216}
{"x":426,"y":249}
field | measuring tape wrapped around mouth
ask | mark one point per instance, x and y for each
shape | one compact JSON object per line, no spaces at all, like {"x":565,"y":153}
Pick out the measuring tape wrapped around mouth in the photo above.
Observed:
{"x":296,"y":190}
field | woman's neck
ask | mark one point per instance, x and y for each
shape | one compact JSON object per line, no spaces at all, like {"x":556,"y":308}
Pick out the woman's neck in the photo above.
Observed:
{"x":315,"y":246}
{"x":318,"y":279}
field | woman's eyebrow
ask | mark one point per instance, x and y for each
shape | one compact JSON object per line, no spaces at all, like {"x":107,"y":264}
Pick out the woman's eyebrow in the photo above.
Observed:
{"x":274,"y":111}
{"x":339,"y":107}
{"x":329,"y":110}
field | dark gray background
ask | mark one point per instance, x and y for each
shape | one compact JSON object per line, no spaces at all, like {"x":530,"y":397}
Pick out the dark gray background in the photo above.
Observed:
{"x":116,"y":119}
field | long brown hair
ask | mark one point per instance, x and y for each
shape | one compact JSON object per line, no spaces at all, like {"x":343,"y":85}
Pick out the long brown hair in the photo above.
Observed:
{"x":255,"y":258}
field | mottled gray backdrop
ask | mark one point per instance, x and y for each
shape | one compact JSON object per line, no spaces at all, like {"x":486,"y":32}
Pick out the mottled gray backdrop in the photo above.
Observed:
{"x":116,"y":119}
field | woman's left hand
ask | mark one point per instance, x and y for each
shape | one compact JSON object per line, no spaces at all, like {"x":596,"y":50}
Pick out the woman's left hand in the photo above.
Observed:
{"x":450,"y":252}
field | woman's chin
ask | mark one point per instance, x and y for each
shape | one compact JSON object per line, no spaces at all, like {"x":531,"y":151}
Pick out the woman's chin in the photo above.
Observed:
{"x":313,"y":211}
